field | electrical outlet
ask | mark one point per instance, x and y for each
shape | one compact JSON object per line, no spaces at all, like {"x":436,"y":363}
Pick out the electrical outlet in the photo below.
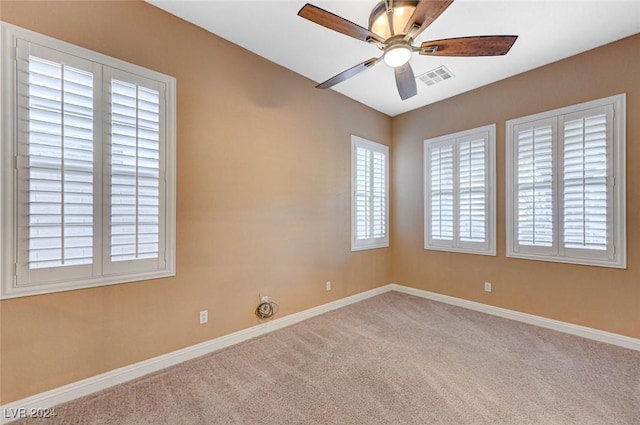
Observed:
{"x":204,"y":317}
{"x":328,"y":285}
{"x":487,"y":287}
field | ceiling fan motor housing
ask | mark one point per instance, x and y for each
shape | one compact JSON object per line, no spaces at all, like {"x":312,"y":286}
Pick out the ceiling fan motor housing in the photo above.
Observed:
{"x":401,"y":10}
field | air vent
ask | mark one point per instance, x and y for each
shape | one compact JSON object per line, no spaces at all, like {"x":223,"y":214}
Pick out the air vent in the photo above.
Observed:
{"x":435,"y":76}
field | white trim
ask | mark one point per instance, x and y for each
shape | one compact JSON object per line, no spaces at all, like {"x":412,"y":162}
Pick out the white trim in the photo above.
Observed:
{"x":105,"y":380}
{"x":543,"y":322}
{"x":7,"y":158}
{"x":109,"y":379}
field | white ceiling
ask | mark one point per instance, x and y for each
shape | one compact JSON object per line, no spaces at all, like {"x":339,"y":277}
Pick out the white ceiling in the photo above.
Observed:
{"x":548,"y":31}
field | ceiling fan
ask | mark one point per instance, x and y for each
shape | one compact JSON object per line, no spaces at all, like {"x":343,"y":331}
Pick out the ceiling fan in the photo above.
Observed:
{"x":393,"y":26}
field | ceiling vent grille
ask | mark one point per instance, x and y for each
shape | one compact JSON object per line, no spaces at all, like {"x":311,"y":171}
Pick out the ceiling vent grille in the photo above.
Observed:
{"x":435,"y":76}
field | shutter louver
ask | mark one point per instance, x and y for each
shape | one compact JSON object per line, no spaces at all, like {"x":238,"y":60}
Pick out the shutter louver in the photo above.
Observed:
{"x":60,"y":163}
{"x":535,"y":186}
{"x":585,"y":183}
{"x":472,"y":191}
{"x":135,"y":172}
{"x":441,"y":192}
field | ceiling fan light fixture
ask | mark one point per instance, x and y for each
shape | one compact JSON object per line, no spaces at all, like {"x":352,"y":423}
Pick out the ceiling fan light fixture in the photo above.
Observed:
{"x":379,"y":22}
{"x":397,"y":55}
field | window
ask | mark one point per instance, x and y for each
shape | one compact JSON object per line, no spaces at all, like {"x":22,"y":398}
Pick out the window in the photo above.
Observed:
{"x":369,"y":194}
{"x":459,"y":179}
{"x":88,"y":168}
{"x":566,"y":184}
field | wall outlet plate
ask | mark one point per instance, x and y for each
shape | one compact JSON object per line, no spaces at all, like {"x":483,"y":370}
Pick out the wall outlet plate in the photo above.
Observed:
{"x":487,"y":286}
{"x":204,"y":317}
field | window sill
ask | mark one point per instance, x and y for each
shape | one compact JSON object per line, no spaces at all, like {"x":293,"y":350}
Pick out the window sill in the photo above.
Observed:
{"x":619,"y":264}
{"x":10,"y":291}
{"x":462,"y":250}
{"x":367,"y":247}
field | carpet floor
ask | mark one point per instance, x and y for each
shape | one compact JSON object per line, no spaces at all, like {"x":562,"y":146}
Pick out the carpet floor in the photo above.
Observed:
{"x":391,"y":359}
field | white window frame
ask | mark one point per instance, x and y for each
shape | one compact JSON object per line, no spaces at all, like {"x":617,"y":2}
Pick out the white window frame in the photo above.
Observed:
{"x":616,"y":256}
{"x":488,"y":247}
{"x":372,"y":242}
{"x":10,"y":37}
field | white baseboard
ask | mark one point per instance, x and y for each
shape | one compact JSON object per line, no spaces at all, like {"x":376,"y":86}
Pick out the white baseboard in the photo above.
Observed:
{"x":20,"y":408}
{"x":543,"y":322}
{"x":48,"y":399}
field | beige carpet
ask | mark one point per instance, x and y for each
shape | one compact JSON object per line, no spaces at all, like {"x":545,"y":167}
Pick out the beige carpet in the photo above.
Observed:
{"x":392,"y":359}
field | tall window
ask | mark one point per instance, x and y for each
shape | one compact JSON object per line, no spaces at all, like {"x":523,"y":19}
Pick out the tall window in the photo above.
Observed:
{"x":369,"y":194}
{"x":90,"y":196}
{"x":566,"y":184}
{"x":460,"y":192}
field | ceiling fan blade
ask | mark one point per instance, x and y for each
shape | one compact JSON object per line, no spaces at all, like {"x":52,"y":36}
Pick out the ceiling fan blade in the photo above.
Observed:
{"x":483,"y":45}
{"x":336,"y":23}
{"x":406,"y":81}
{"x":425,"y":13}
{"x":348,"y":73}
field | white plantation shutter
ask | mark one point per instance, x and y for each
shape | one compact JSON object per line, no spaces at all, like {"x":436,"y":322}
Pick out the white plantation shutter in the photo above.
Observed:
{"x":362,"y":193}
{"x":441,"y":192}
{"x":565,"y":184}
{"x":472,"y":190}
{"x":134,"y":169}
{"x":92,"y":193}
{"x":586,"y":189}
{"x":459,"y":200}
{"x":535,"y":182}
{"x":369,"y":194}
{"x":60,"y":165}
{"x":56,"y":110}
{"x":379,"y":195}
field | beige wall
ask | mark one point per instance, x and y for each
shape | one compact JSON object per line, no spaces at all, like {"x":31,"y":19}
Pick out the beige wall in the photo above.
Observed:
{"x":253,"y":217}
{"x":263,"y":202}
{"x":601,"y":298}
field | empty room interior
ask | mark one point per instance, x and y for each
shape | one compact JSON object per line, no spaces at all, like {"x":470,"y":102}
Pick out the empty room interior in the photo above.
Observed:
{"x":452,"y":241}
